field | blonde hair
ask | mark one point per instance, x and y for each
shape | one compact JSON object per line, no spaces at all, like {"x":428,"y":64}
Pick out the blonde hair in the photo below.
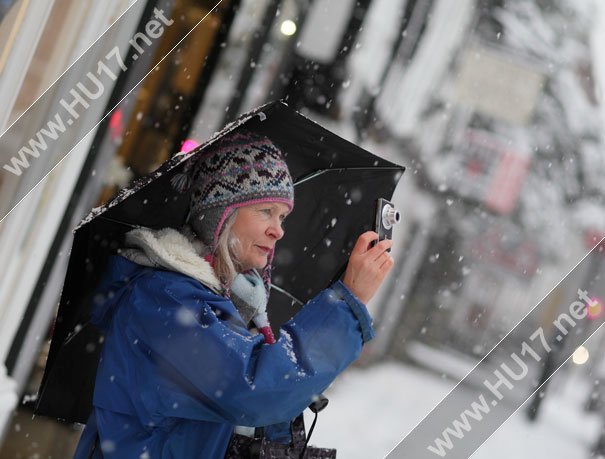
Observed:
{"x":226,"y":262}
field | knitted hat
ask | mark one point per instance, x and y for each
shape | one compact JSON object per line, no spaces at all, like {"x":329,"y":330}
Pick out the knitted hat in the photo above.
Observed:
{"x":240,"y":169}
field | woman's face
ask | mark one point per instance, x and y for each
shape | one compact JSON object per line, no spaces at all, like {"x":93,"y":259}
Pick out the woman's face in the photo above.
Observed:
{"x":257,"y":228}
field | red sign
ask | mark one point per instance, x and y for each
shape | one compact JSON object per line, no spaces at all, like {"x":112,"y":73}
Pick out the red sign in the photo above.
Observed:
{"x":506,"y":183}
{"x":492,"y":172}
{"x":594,"y":237}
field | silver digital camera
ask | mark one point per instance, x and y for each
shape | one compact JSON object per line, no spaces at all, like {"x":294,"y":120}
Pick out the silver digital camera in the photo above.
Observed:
{"x":386,"y":218}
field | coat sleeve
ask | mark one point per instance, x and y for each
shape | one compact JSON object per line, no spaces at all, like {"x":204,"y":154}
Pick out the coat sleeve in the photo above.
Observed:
{"x":212,"y":369}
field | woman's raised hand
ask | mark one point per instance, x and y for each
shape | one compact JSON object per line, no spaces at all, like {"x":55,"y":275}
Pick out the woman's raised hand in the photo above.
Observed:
{"x":368,"y":266}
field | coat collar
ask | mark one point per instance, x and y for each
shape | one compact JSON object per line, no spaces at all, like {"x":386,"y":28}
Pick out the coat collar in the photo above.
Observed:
{"x":173,"y":250}
{"x":178,"y":251}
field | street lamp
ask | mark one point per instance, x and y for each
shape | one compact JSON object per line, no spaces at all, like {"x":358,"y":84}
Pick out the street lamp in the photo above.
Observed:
{"x":580,"y":356}
{"x":288,"y":27}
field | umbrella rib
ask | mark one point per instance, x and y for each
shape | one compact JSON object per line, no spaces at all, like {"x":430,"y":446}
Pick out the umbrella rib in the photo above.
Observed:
{"x":319,"y":172}
{"x":74,"y":333}
{"x":118,"y":221}
{"x":292,"y":297}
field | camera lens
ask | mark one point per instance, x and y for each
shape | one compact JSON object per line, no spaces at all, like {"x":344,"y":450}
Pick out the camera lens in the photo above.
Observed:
{"x":390,"y":216}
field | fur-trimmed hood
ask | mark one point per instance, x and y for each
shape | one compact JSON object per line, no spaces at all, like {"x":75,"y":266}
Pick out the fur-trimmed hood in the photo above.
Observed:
{"x":181,"y":251}
{"x":173,"y":250}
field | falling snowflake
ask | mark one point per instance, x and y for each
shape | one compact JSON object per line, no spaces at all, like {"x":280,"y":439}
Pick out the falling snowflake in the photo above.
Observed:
{"x":108,"y":446}
{"x":185,"y":317}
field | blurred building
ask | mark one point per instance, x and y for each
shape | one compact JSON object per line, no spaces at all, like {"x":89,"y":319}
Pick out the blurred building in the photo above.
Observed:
{"x":30,"y":61}
{"x":482,"y":113}
{"x":148,"y":124}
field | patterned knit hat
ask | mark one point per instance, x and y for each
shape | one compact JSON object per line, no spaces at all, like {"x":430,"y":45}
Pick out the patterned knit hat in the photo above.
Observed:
{"x":240,"y":169}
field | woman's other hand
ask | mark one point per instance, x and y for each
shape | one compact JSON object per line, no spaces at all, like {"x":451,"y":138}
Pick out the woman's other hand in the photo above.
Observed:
{"x":368,"y":266}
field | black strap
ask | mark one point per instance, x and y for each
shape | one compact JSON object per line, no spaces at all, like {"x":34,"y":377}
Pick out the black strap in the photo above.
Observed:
{"x":302,"y":454}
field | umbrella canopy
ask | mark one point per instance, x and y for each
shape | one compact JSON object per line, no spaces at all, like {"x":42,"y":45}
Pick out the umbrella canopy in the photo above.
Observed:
{"x":336,"y":185}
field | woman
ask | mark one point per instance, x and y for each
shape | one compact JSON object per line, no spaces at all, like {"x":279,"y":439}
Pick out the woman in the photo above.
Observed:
{"x":188,"y":355}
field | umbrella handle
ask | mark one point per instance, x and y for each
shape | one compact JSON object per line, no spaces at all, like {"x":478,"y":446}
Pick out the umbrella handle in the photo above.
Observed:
{"x":319,"y":404}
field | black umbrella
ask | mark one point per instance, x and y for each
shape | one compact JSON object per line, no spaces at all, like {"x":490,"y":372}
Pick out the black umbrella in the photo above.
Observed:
{"x":336,"y":186}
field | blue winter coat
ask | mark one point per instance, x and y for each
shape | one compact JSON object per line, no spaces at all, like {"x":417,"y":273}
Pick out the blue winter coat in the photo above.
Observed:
{"x":179,"y":368}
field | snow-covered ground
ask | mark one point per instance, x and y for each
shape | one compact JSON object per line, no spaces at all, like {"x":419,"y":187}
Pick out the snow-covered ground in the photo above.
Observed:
{"x":563,"y":430}
{"x":371,"y":409}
